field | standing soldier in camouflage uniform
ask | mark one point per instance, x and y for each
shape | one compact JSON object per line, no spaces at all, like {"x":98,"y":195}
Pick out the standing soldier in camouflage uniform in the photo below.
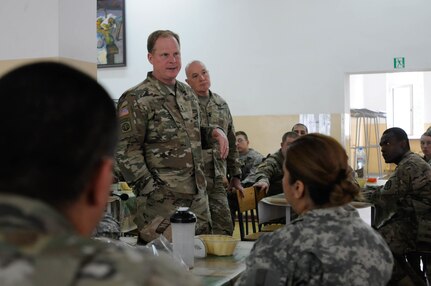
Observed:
{"x":160,"y":148}
{"x":269,"y":174}
{"x":328,"y":244}
{"x":55,"y":178}
{"x":215,"y":112}
{"x":405,"y":200}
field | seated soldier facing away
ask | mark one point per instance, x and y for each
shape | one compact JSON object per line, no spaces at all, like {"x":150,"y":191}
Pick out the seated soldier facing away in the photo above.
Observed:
{"x":328,"y":244}
{"x":55,"y":179}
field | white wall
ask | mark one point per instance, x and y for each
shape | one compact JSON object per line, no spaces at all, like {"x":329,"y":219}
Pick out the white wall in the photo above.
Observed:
{"x":77,"y":30}
{"x":29,"y":29}
{"x":427,"y":98}
{"x":48,"y":28}
{"x":280,"y":56}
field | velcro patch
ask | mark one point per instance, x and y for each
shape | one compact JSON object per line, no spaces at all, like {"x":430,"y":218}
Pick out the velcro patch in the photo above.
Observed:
{"x":125,"y":126}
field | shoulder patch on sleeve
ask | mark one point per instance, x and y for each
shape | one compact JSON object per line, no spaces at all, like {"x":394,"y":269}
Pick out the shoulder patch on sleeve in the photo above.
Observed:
{"x":125,"y":126}
{"x":124,"y":111}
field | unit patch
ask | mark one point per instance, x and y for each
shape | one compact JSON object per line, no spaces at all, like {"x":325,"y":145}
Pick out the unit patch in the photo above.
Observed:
{"x":125,"y":126}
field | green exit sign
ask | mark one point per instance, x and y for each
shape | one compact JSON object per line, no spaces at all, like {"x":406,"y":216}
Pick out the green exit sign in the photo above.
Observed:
{"x":399,"y":63}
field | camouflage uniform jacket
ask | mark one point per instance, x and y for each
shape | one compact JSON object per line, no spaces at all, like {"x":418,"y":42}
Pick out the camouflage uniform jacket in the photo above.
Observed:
{"x":330,"y":246}
{"x":249,"y":162}
{"x":406,"y":196}
{"x":160,"y":137}
{"x":38,"y":246}
{"x":217,"y":114}
{"x":270,"y":170}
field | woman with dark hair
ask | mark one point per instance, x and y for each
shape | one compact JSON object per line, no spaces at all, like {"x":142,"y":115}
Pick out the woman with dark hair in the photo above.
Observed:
{"x":328,"y":244}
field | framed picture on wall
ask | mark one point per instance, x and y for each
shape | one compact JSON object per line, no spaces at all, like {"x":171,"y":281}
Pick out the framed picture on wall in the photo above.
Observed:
{"x":111,"y":33}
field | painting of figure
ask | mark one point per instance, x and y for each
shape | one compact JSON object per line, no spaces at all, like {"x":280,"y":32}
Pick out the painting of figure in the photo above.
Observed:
{"x":111,"y":42}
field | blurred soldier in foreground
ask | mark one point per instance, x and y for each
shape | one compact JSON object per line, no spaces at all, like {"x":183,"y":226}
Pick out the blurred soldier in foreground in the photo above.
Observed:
{"x":403,"y":206}
{"x":215,"y":112}
{"x":60,"y":132}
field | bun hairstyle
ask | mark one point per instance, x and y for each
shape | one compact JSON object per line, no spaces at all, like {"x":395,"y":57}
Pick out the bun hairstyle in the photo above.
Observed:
{"x":320,"y":162}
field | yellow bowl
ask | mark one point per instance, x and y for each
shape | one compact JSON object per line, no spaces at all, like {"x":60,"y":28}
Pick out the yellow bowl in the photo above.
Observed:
{"x":361,"y":182}
{"x":220,"y":245}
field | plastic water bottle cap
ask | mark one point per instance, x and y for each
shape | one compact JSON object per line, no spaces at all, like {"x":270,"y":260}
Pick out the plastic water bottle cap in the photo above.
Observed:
{"x":183,"y":215}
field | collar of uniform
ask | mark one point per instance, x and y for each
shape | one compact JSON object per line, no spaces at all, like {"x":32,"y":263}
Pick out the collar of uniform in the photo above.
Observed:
{"x":336,"y":211}
{"x":216,"y":98}
{"x":165,"y":89}
{"x":405,"y":156}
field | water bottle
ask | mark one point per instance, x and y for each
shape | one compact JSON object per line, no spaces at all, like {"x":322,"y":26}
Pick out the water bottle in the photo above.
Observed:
{"x":183,"y":224}
{"x":361,"y":163}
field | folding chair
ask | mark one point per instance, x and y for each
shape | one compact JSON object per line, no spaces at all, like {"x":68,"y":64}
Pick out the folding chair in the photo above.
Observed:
{"x":419,"y":279}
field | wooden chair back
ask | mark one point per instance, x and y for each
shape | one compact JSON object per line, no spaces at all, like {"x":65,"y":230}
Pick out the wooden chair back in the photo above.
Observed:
{"x":247,"y":214}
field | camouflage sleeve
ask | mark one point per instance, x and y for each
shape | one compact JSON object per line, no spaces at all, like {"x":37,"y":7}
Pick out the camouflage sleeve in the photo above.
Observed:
{"x":408,"y":181}
{"x":117,"y":175}
{"x":233,"y":164}
{"x":207,"y":139}
{"x":268,"y":169}
{"x":129,"y":156}
{"x":257,"y":160}
{"x":117,"y":264}
{"x":251,"y":162}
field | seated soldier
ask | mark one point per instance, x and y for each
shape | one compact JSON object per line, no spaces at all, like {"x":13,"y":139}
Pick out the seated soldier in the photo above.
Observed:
{"x":55,"y":179}
{"x":403,"y":206}
{"x":248,"y":157}
{"x":300,"y":129}
{"x":269,"y":174}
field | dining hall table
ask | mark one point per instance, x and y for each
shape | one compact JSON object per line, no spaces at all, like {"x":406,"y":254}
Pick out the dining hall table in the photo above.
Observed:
{"x":214,"y":270}
{"x":222,"y":270}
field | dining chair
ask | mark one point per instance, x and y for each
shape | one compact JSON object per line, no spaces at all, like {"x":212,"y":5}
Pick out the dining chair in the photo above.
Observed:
{"x":247,"y":215}
{"x":424,"y":256}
